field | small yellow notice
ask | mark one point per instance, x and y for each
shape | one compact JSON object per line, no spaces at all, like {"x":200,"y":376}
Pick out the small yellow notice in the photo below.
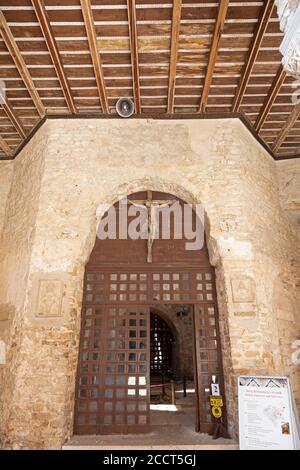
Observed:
{"x":216,"y":411}
{"x":216,"y":401}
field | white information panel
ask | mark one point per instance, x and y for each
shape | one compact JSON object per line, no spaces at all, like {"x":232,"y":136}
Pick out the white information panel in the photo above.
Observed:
{"x":267,"y":417}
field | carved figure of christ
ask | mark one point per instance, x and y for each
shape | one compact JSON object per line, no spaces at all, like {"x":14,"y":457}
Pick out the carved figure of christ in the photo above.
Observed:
{"x":151,"y":205}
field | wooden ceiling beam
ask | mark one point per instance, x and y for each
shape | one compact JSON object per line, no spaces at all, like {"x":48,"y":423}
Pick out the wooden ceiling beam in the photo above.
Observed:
{"x":13,"y":118}
{"x":254,"y":50}
{"x":174,"y":53}
{"x":131,"y":9}
{"x":9,"y":111}
{"x":219,"y":26}
{"x":293,"y":117}
{"x":92,"y":40}
{"x":277,"y":84}
{"x":45,"y":26}
{"x":20,"y":64}
{"x":6,"y":149}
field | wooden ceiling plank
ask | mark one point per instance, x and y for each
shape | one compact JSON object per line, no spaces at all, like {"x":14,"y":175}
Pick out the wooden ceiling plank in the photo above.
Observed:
{"x":219,"y":26}
{"x":131,"y":9}
{"x":287,"y":127}
{"x":277,"y":84}
{"x":45,"y":26}
{"x":6,"y":149}
{"x":174,"y":53}
{"x":20,"y":64}
{"x":13,"y":118}
{"x":258,"y":38}
{"x":92,"y":40}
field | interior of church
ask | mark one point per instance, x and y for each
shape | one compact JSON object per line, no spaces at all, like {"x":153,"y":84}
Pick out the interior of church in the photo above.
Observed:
{"x":149,"y":224}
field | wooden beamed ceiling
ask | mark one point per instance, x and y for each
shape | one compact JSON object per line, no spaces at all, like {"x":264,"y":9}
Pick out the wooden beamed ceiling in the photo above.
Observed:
{"x":213,"y":55}
{"x":172,"y":57}
{"x":50,"y":40}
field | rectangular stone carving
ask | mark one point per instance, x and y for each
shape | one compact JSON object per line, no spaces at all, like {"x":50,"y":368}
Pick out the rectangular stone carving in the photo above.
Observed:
{"x":50,"y":295}
{"x":244,"y":314}
{"x":243,"y":289}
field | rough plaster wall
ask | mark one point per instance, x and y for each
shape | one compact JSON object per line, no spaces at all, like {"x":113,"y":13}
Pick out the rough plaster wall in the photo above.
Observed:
{"x":288,"y":172}
{"x":6,"y":172}
{"x":88,"y":162}
{"x":15,"y":253}
{"x":288,"y":304}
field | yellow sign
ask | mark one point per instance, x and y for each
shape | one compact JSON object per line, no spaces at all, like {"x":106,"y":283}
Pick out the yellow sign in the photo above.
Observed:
{"x":216,"y":411}
{"x":216,"y":401}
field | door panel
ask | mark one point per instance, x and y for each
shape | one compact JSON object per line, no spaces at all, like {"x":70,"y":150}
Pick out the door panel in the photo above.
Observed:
{"x":113,"y":388}
{"x":207,"y":362}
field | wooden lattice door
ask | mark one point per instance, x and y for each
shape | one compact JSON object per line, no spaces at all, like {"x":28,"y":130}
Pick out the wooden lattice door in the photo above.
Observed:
{"x":113,"y":387}
{"x":208,"y":362}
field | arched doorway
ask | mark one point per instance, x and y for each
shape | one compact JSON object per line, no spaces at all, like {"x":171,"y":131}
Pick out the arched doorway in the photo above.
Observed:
{"x":124,"y":279}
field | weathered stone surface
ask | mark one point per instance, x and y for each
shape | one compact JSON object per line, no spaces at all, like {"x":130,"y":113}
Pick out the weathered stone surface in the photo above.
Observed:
{"x":288,"y":172}
{"x":5,"y":182}
{"x":243,"y":289}
{"x":286,"y":11}
{"x":50,"y":292}
{"x":60,"y":181}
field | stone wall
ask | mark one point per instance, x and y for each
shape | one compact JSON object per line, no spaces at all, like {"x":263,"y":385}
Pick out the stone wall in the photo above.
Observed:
{"x":16,"y":250}
{"x":288,"y":172}
{"x":5,"y":182}
{"x":60,"y":180}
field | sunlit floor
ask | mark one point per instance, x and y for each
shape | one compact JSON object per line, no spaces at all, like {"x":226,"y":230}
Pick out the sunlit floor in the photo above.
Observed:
{"x":173,"y":415}
{"x":163,"y":407}
{"x":161,"y":437}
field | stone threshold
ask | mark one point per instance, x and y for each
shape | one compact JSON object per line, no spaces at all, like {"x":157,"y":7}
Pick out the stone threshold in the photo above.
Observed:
{"x":161,"y":438}
{"x":153,"y":447}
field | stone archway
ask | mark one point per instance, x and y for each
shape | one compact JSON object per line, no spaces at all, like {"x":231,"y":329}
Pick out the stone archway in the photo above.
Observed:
{"x":102,"y":208}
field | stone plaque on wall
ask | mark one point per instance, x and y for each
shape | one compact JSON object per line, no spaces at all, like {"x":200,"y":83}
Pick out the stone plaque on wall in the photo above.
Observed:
{"x":50,"y":295}
{"x":243,"y":289}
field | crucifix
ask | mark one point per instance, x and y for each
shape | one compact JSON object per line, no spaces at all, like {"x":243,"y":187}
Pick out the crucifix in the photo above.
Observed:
{"x":151,"y":205}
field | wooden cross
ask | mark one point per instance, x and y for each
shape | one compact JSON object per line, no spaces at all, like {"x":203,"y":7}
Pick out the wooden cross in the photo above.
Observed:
{"x":150,"y":205}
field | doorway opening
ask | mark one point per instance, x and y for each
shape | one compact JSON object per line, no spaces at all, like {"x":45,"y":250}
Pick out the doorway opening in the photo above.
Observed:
{"x":172,"y":375}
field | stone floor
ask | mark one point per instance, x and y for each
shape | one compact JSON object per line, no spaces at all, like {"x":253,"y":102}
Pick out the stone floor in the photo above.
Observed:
{"x":171,"y":429}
